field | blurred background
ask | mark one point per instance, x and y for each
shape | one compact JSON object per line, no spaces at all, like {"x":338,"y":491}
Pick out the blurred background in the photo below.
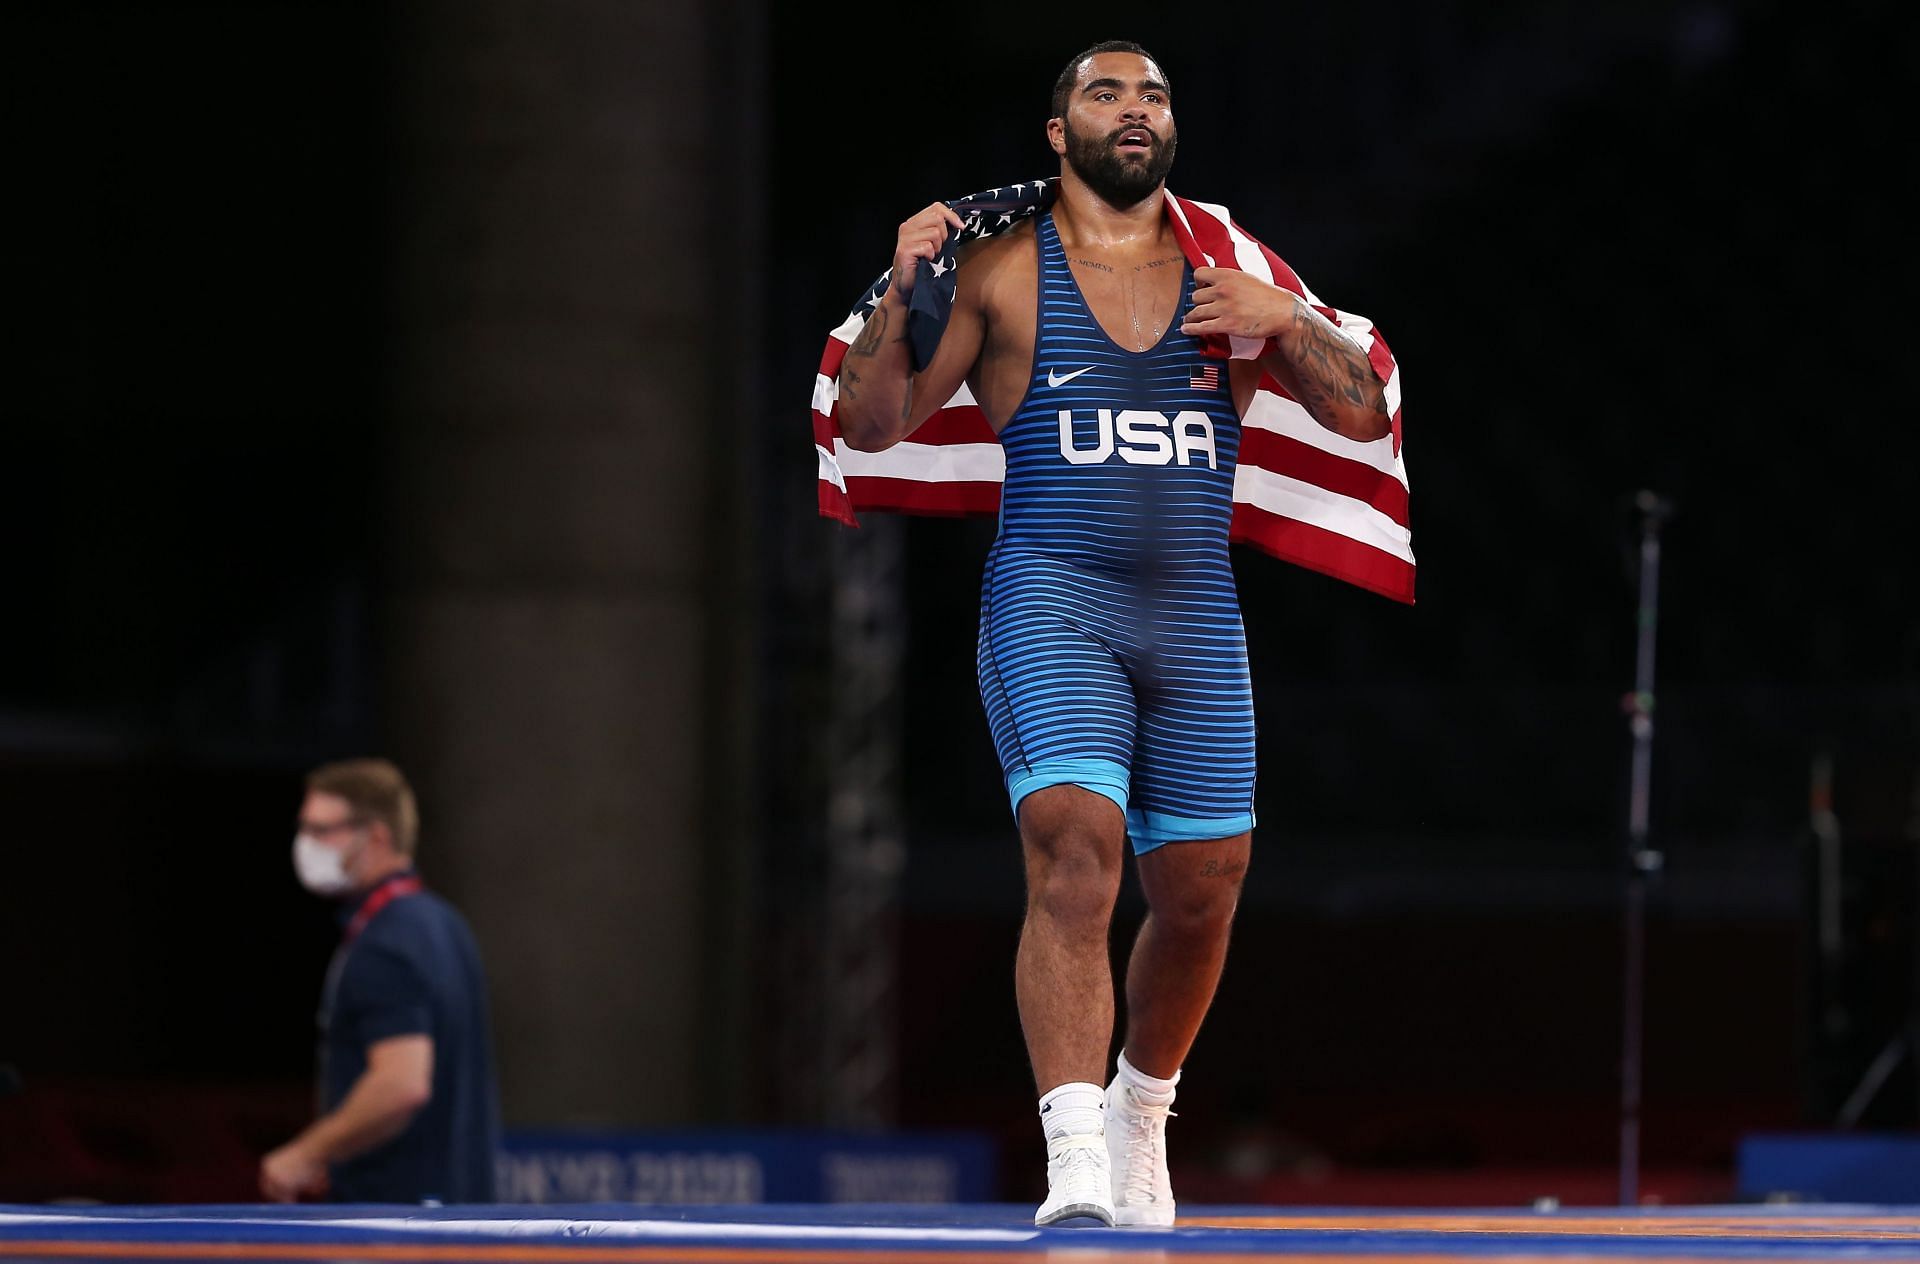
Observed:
{"x":429,"y":379}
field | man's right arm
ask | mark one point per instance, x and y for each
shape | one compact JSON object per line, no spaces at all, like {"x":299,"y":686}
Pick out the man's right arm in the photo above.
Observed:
{"x":882,"y":400}
{"x":397,"y":1083}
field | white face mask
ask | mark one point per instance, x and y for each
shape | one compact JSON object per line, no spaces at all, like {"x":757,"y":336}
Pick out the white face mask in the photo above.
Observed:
{"x":322,"y":869}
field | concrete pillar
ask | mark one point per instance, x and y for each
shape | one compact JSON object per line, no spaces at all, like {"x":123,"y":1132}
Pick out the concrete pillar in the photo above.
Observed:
{"x":563,"y":652}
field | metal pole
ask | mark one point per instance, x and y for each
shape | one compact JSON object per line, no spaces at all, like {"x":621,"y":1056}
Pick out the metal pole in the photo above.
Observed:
{"x":1642,"y":861}
{"x":858,"y":1021}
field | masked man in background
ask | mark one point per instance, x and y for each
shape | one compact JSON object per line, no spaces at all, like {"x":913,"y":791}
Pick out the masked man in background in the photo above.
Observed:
{"x":409,"y":1109}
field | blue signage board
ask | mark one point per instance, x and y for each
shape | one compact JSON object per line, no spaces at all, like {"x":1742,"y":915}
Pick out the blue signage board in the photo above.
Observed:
{"x":725,"y":1167}
{"x":1833,"y":1167}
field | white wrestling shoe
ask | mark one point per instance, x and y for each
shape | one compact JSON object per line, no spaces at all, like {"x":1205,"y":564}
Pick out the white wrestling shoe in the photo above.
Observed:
{"x":1079,"y":1183}
{"x":1137,"y":1157}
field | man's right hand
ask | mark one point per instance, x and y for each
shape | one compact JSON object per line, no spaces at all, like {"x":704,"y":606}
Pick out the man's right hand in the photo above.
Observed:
{"x":292,"y":1172}
{"x":921,"y":238}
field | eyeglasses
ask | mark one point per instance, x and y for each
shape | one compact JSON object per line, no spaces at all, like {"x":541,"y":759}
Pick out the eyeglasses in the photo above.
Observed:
{"x":319,"y":830}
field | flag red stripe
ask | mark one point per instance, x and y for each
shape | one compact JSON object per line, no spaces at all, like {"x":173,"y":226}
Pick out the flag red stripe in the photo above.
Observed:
{"x":1183,"y":234}
{"x":906,"y":495}
{"x":1283,"y":454}
{"x":963,"y":423}
{"x":1211,"y":236}
{"x":834,"y":503}
{"x":1325,"y":551}
{"x":1204,"y":235}
{"x":831,"y":358}
{"x":1380,"y":358}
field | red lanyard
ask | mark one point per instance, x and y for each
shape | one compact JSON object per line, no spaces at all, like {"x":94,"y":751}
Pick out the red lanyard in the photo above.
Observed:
{"x":383,"y":895}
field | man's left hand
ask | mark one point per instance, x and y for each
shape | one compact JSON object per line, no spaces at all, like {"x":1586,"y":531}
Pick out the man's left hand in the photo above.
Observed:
{"x":290,"y":1173}
{"x":1229,"y":302}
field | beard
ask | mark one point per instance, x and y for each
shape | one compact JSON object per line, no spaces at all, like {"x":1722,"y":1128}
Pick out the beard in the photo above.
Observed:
{"x":1117,"y":180}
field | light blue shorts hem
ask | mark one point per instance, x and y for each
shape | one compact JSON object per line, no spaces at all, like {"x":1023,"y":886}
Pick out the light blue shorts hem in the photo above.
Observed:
{"x":1148,"y":830}
{"x":1102,"y":776}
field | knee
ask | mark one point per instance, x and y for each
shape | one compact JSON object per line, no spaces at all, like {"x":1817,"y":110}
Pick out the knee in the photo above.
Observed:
{"x":1072,"y":881}
{"x":1199,"y":910}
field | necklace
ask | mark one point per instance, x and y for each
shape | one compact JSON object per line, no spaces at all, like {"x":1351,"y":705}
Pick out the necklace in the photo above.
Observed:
{"x":1133,"y":311}
{"x":1140,"y":338}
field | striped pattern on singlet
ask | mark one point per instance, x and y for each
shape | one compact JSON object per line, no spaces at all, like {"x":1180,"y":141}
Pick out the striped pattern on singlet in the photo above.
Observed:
{"x":1110,"y":629}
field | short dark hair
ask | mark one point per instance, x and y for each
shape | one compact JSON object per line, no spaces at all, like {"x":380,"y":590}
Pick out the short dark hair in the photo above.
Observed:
{"x":1063,"y":86}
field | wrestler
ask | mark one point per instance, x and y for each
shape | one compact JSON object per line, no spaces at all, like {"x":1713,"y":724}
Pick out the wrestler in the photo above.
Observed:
{"x":1112,"y":663}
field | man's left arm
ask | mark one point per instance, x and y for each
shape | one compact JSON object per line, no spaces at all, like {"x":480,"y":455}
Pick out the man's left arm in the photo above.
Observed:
{"x":398,"y":1081}
{"x":1320,"y":366}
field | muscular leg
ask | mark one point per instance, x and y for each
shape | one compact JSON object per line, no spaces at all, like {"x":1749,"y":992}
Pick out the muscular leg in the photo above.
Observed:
{"x":1073,"y":840}
{"x":1191,"y":890}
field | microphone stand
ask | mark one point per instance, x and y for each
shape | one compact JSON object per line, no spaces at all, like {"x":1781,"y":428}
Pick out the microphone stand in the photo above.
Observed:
{"x":1643,"y":862}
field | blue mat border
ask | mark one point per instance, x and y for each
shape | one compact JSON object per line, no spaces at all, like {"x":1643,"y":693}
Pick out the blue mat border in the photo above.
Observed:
{"x":1009,"y":1229}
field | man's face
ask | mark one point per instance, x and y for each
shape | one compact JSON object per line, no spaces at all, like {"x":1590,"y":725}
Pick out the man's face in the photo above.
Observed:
{"x":1118,"y":127}
{"x":329,"y":820}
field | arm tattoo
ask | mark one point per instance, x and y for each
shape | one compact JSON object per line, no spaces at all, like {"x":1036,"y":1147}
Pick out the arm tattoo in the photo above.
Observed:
{"x":870,"y":335}
{"x":1331,"y":370}
{"x":865,"y":347}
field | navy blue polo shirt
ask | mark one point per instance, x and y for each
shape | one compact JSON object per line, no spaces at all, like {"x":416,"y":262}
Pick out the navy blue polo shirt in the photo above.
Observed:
{"x":414,"y":969}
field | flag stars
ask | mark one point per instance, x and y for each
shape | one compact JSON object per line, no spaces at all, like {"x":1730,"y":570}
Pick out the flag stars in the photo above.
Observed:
{"x":982,"y":215}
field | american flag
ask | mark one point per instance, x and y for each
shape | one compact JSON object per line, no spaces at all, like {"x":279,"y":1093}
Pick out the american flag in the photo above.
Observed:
{"x":1207,"y":379}
{"x":1302,"y":493}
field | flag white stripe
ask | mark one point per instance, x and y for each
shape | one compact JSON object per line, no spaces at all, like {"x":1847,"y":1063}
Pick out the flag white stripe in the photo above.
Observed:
{"x":1316,"y":506}
{"x":826,"y":392}
{"x":830,"y":468}
{"x":1362,"y":330}
{"x":1268,"y":411}
{"x":1358,"y":329}
{"x":1359,"y":326}
{"x":849,"y":329}
{"x":1245,"y":252}
{"x":926,"y":462}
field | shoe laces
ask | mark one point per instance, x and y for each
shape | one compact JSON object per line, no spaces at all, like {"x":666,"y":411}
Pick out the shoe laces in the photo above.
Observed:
{"x":1146,"y":1126}
{"x":1078,"y":1157}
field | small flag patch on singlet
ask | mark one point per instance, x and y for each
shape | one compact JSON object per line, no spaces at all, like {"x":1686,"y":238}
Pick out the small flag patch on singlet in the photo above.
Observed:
{"x":1207,"y":379}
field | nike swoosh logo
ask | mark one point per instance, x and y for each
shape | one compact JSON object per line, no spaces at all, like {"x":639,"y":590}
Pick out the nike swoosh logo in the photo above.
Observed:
{"x":1061,"y":379}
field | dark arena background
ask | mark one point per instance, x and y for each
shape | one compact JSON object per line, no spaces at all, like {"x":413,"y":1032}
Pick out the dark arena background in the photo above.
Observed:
{"x":429,"y":380}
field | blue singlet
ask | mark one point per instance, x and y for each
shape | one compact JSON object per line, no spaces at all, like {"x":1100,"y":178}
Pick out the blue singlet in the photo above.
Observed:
{"x":1111,"y":651}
